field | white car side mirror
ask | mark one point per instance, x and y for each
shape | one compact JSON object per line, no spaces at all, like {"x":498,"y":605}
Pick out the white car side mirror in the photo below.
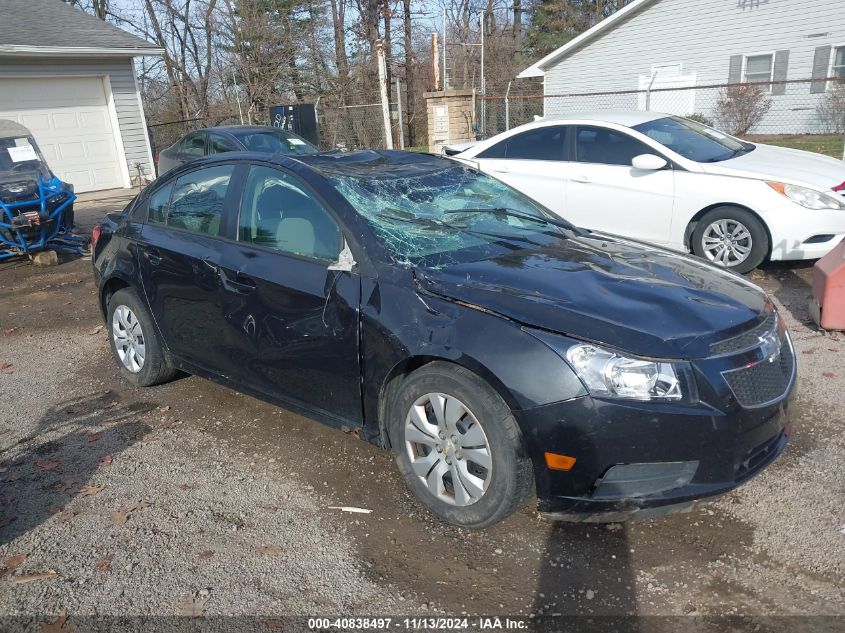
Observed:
{"x":648,"y":162}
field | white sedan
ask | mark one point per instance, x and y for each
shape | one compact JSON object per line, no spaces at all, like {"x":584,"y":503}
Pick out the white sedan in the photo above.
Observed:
{"x":674,"y":182}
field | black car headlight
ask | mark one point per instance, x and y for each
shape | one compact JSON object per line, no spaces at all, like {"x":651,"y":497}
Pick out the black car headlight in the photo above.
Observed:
{"x":608,"y":374}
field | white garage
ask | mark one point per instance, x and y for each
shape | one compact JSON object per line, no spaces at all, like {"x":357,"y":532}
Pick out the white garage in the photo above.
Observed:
{"x":70,"y":79}
{"x":77,"y":131}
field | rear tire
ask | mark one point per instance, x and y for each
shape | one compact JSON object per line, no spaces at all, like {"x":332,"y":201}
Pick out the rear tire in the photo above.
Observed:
{"x":445,"y":423}
{"x":732,"y":238}
{"x":135,"y":343}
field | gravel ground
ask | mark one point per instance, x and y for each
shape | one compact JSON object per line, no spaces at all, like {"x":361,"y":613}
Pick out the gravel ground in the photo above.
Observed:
{"x":189,"y":498}
{"x":136,"y":512}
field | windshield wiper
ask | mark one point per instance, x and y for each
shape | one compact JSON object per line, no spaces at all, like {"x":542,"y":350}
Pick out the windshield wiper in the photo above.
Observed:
{"x":563,"y":224}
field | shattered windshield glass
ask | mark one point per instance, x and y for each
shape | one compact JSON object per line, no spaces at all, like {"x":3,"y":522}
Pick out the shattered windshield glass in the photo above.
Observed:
{"x":449,"y":215}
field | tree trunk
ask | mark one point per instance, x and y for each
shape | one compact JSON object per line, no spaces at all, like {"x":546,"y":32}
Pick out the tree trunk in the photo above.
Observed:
{"x":517,"y":25}
{"x":341,"y":60}
{"x":409,"y":68}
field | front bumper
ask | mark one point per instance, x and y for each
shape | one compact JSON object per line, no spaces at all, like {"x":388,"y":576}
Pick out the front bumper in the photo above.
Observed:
{"x":799,"y":233}
{"x":715,"y":445}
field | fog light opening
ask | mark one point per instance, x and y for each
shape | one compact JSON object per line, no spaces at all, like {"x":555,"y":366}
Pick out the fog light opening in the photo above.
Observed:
{"x":559,"y":462}
{"x":819,"y":239}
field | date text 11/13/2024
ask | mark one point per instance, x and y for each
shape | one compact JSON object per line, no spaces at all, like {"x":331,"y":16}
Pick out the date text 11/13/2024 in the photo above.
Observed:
{"x":418,"y":623}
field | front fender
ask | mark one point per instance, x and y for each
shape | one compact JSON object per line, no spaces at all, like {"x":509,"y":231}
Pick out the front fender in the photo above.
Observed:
{"x":402,"y":328}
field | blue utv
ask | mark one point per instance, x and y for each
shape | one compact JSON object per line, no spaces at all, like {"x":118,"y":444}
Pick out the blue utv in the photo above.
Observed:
{"x":36,"y":208}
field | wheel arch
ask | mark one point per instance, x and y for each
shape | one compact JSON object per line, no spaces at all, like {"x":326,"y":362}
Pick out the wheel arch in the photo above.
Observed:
{"x":393,"y":380}
{"x":691,"y":225}
{"x":108,"y":288}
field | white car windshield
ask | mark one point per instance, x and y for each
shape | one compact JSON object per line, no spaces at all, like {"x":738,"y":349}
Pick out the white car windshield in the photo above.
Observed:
{"x":693,"y":140}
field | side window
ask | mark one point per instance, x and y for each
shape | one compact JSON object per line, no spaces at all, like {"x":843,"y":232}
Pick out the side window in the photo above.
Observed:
{"x":607,"y":147}
{"x":193,"y":145}
{"x":157,"y":210}
{"x":278,"y":213}
{"x":218,"y":144}
{"x":197,"y":201}
{"x":545,"y":143}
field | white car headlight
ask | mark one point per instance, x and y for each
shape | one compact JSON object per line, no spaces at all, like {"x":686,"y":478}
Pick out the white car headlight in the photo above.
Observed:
{"x":607,"y":374}
{"x":808,"y":198}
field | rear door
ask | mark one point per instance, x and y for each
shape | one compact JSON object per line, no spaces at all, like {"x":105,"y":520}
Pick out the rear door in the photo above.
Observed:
{"x":180,"y":249}
{"x":606,"y":193}
{"x":293,"y":321}
{"x":534,"y":162}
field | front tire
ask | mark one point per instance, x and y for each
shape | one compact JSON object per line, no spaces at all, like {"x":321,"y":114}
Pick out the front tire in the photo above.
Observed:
{"x":732,"y":238}
{"x":135,"y":344}
{"x":458,"y":446}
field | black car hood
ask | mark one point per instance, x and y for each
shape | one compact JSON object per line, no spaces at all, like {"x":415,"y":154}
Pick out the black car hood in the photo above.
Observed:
{"x":634,"y":297}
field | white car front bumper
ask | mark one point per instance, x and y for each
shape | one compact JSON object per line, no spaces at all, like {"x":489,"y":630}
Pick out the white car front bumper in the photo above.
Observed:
{"x":791,"y":225}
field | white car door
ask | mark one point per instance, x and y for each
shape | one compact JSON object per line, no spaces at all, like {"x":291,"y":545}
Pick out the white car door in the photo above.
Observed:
{"x":531,"y":162}
{"x":605,"y":193}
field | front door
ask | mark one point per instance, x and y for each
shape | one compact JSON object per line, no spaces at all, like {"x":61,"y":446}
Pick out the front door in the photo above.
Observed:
{"x":179,"y":254}
{"x":293,"y":321}
{"x":532,"y":162}
{"x":605,"y":193}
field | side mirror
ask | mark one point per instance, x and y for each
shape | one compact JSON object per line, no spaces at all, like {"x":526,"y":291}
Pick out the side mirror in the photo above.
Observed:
{"x":648,"y":162}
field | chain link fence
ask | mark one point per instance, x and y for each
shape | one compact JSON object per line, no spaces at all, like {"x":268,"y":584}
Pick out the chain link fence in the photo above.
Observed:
{"x":360,"y":125}
{"x":809,"y":112}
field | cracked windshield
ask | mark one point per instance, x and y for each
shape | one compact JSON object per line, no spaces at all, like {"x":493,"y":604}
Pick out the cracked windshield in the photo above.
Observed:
{"x":450,"y":215}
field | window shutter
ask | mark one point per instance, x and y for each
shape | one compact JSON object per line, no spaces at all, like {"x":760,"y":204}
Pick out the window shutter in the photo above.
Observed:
{"x":735,"y":70}
{"x":780,"y":71}
{"x":821,"y":62}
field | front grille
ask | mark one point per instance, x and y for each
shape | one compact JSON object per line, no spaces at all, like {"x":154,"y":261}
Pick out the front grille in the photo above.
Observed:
{"x":764,"y":382}
{"x":746,"y":340}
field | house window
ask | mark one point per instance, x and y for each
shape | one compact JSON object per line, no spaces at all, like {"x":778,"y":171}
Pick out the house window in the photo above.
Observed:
{"x":837,"y":68}
{"x":758,"y":69}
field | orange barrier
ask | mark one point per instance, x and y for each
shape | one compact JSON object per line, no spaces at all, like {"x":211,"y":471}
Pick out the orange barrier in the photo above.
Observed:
{"x":828,"y":303}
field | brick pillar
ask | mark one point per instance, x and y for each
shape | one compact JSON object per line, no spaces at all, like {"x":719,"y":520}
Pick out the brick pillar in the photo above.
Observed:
{"x":450,"y":118}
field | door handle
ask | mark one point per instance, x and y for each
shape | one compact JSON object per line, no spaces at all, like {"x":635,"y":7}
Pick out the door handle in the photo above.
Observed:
{"x":500,"y":170}
{"x":580,"y":178}
{"x":153,"y":256}
{"x":237,"y":283}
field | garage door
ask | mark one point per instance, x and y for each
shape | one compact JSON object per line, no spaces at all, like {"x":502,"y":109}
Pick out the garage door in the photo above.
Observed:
{"x":70,"y":120}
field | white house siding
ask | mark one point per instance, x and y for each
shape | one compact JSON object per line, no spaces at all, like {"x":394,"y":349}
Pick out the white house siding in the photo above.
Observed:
{"x":121,"y":75}
{"x":702,"y":36}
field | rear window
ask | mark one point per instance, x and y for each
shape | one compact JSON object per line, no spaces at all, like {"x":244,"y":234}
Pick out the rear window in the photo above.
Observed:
{"x":194,"y":202}
{"x":157,"y":209}
{"x":273,"y":141}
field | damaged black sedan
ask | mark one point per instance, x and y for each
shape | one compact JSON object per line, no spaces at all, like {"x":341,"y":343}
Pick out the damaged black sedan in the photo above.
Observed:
{"x":498,"y":351}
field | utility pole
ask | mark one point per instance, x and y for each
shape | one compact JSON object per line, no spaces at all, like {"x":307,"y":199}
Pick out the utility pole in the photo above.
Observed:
{"x":445,"y":44}
{"x":483,"y":87}
{"x":385,"y":99}
{"x":399,"y":111}
{"x":238,"y":96}
{"x":435,"y":61}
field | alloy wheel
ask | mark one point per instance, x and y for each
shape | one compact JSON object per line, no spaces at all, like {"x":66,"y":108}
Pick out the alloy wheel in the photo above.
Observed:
{"x":129,"y":339}
{"x":727,"y":242}
{"x":448,"y":449}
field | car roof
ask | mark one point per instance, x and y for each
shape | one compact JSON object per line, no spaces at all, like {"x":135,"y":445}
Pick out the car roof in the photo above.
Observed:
{"x":628,"y":118}
{"x":231,"y":129}
{"x":366,"y":163}
{"x":374,"y":163}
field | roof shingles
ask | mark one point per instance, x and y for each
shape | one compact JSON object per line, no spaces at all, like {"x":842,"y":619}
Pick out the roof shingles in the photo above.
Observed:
{"x":54,"y":24}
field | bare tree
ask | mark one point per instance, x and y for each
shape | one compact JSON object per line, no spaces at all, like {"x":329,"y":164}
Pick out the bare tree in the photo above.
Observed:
{"x":742,"y":106}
